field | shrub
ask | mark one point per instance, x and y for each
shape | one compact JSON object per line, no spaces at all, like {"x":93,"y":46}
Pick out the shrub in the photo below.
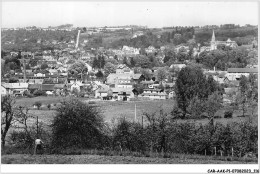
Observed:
{"x":38,"y":104}
{"x":39,"y":93}
{"x":77,"y":124}
{"x":49,"y":106}
{"x":27,"y":94}
{"x":228,"y":114}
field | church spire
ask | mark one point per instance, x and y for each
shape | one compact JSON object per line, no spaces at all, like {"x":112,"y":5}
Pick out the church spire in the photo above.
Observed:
{"x":213,"y":37}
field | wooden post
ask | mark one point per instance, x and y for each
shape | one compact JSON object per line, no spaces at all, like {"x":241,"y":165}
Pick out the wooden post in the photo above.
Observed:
{"x":37,"y":124}
{"x":135,"y":112}
{"x":215,"y":151}
{"x":221,"y":152}
{"x":142,"y":121}
{"x":232,"y":151}
{"x":205,"y":152}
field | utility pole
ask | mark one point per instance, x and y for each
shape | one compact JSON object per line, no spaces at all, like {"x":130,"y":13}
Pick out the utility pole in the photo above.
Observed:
{"x":37,"y":125}
{"x":24,"y":71}
{"x":135,"y":112}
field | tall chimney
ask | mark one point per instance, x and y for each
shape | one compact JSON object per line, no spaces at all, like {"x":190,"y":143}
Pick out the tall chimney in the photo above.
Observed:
{"x":77,"y":43}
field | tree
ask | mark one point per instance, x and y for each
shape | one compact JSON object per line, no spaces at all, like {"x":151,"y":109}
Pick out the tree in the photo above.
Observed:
{"x":243,"y":84}
{"x":13,"y":80}
{"x":95,"y":63}
{"x":190,"y":82}
{"x":44,"y":66}
{"x":241,"y":99}
{"x":49,"y":106}
{"x":99,"y":74}
{"x":38,"y":104}
{"x":132,"y":62}
{"x":161,"y":74}
{"x":147,"y":74}
{"x":212,"y":105}
{"x":77,"y":124}
{"x":109,"y":68}
{"x":143,"y":61}
{"x":7,"y":116}
{"x":125,"y":61}
{"x":78,"y":68}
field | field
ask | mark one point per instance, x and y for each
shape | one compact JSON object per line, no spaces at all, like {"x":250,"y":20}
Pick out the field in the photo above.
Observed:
{"x":101,"y":159}
{"x":115,"y":109}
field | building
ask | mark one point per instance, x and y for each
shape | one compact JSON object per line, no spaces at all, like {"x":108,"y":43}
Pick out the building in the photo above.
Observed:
{"x":15,"y":88}
{"x":214,"y":43}
{"x":236,"y":73}
{"x":179,"y":66}
{"x":76,"y":85}
{"x":3,"y":90}
{"x":154,"y":94}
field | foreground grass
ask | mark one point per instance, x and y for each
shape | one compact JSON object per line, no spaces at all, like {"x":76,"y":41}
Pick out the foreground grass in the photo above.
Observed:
{"x":102,"y":159}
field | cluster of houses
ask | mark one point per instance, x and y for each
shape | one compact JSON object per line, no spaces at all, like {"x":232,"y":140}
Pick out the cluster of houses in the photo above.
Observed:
{"x":120,"y":85}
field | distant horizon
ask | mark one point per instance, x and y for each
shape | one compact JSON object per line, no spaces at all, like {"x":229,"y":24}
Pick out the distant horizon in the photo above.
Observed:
{"x":151,"y":14}
{"x":73,"y":26}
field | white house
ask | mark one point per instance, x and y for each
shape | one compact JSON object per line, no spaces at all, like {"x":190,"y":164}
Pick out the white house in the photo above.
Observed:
{"x":154,"y":94}
{"x":3,"y":90}
{"x":179,"y":66}
{"x":236,"y":73}
{"x":15,"y":88}
{"x":101,"y":91}
{"x":76,"y":85}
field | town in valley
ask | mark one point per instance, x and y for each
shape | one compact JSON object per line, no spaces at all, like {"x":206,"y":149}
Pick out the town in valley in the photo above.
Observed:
{"x":129,"y":94}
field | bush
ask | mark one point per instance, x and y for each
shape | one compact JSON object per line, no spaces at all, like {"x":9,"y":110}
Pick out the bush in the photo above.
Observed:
{"x":49,"y":106}
{"x":38,"y":104}
{"x":228,"y":114}
{"x":77,"y":125}
{"x":27,"y":94}
{"x":39,"y":93}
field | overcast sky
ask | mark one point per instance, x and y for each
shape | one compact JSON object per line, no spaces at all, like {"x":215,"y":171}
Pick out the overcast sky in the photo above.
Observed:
{"x":151,"y":14}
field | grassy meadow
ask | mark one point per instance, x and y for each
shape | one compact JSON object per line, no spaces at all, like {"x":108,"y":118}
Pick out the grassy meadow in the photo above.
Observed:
{"x":120,"y":159}
{"x":112,"y":110}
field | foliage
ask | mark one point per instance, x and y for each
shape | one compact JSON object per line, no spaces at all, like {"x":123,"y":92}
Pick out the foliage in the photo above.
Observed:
{"x":38,"y":104}
{"x":49,"y":106}
{"x":223,"y":59}
{"x":7,"y":116}
{"x":13,"y":80}
{"x":161,"y":74}
{"x":78,"y":68}
{"x":212,"y":105}
{"x":99,"y":74}
{"x":39,"y":93}
{"x":109,"y":68}
{"x":44,"y":66}
{"x":99,"y":62}
{"x":77,"y":125}
{"x":191,"y":82}
{"x":25,"y":134}
{"x":143,"y":61}
{"x":228,"y":114}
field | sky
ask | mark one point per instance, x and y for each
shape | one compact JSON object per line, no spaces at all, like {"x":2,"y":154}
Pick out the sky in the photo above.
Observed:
{"x":145,"y":13}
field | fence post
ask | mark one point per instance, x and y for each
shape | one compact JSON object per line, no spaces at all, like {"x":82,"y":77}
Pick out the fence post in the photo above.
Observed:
{"x":221,"y":152}
{"x":205,"y":152}
{"x":232,"y":151}
{"x":215,"y":151}
{"x":37,"y":127}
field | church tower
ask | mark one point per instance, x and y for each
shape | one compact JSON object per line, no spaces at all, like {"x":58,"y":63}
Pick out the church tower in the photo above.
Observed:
{"x":213,"y":39}
{"x":213,"y":44}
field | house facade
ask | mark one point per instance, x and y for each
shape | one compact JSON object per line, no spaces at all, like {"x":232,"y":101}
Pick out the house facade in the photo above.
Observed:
{"x":236,"y":73}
